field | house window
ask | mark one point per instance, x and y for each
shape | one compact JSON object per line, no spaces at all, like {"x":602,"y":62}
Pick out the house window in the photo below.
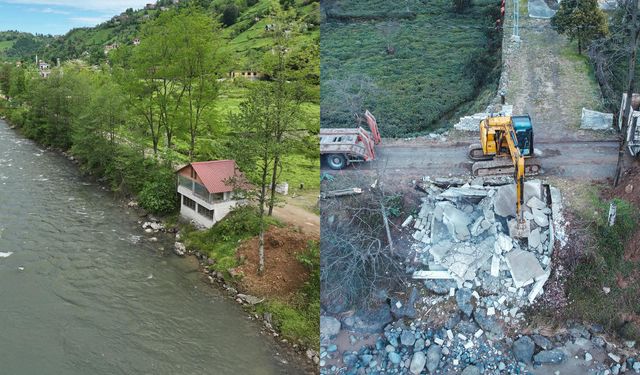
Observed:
{"x":217,"y":196}
{"x":205,"y":212}
{"x":188,"y":202}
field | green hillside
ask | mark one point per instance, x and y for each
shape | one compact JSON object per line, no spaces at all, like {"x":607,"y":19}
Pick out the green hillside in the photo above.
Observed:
{"x":243,"y":31}
{"x":412,"y":65}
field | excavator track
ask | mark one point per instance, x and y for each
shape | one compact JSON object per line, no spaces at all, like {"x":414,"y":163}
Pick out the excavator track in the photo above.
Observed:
{"x":476,"y":153}
{"x":503,"y":166}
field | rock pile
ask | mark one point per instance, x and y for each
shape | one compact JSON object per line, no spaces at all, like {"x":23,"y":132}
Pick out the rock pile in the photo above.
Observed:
{"x":462,"y":239}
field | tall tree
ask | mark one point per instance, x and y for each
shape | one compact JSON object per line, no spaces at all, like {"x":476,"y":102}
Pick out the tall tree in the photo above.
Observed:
{"x":580,"y":20}
{"x":254,"y":148}
{"x":198,"y":66}
{"x":288,"y":96}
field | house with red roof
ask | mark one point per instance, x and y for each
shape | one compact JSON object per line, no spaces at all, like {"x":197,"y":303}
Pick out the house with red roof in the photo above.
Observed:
{"x":206,"y":190}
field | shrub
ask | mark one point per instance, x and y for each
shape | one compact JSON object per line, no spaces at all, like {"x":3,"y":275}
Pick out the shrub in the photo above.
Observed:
{"x":158,"y":194}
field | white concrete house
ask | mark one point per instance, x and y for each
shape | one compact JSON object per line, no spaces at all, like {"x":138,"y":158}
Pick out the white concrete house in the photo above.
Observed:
{"x":205,"y":190}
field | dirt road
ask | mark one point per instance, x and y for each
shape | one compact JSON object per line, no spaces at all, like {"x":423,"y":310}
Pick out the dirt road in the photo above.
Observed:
{"x":585,"y":160}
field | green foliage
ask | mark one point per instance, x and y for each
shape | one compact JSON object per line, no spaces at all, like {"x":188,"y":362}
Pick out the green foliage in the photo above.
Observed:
{"x":221,"y":241}
{"x":441,"y":60}
{"x":581,"y":20}
{"x":602,"y":267}
{"x":298,"y":319}
{"x":158,"y":193}
{"x":230,"y":14}
{"x":295,"y":323}
{"x":394,"y":204}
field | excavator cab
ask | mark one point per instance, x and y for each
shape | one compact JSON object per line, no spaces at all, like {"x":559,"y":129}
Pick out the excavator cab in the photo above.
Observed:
{"x":524,"y":134}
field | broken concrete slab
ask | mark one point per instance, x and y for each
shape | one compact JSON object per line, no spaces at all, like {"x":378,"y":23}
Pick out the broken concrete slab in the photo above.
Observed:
{"x":537,"y":287}
{"x":495,"y":266}
{"x":473,"y":193}
{"x":457,"y":222}
{"x":524,"y":267}
{"x":540,"y":217}
{"x":534,"y":239}
{"x":407,"y":221}
{"x":505,"y":242}
{"x":594,"y":120}
{"x":534,"y":202}
{"x":432,"y":275}
{"x":505,"y":199}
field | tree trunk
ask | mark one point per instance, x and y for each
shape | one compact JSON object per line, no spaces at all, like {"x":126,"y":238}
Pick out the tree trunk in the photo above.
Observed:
{"x":633,"y":47}
{"x":274,"y":180}
{"x":383,"y":209}
{"x":263,"y":195}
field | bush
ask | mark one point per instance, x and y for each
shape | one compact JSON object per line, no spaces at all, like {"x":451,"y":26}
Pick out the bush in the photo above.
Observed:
{"x":158,"y":194}
{"x":230,"y":14}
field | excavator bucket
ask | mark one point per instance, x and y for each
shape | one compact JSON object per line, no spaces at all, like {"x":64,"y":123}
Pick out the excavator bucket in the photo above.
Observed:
{"x":519,"y":228}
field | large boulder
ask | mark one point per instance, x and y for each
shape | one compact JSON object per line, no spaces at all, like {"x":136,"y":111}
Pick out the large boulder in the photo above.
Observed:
{"x":463,"y":299}
{"x":369,"y":320}
{"x":329,"y":326}
{"x":471,"y":370}
{"x":488,"y":323}
{"x":549,"y":356}
{"x":417,"y":363}
{"x":523,"y":349}
{"x":433,"y":357}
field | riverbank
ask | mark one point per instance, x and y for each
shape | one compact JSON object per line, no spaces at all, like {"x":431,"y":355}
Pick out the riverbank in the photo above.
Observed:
{"x":86,"y":290}
{"x":160,"y":230}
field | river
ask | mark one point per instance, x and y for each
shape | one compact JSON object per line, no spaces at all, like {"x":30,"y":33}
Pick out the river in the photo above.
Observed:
{"x":85,"y":292}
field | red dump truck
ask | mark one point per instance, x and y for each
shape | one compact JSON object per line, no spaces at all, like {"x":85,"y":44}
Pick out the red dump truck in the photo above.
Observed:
{"x":343,"y":146}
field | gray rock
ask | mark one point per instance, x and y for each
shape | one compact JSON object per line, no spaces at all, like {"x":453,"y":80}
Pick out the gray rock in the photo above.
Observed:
{"x":463,"y":299}
{"x":598,"y":341}
{"x":369,"y":320}
{"x":407,"y":338}
{"x":549,"y":356}
{"x":540,"y":218}
{"x":395,"y":358}
{"x":433,"y":357}
{"x":406,"y":309}
{"x":543,"y":342}
{"x":523,"y":349}
{"x":488,"y":323}
{"x":471,"y":370}
{"x":417,"y":363}
{"x":418,"y":345}
{"x":440,"y":286}
{"x":349,"y":359}
{"x":534,"y":202}
{"x":595,"y":120}
{"x":329,"y":326}
{"x":467,"y":328}
{"x":534,"y":238}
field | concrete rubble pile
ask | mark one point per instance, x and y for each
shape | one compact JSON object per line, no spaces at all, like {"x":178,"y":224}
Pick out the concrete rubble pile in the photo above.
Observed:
{"x":472,"y":122}
{"x":463,"y":242}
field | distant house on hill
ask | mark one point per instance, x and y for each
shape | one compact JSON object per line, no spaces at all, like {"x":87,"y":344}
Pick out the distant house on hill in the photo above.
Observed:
{"x":150,"y":6}
{"x":206,"y":190}
{"x":110,"y":47}
{"x":136,"y":41}
{"x":42,"y":65}
{"x":250,"y":75}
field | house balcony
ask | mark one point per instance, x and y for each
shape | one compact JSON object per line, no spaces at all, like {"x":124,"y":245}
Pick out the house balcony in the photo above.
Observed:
{"x":191,"y":188}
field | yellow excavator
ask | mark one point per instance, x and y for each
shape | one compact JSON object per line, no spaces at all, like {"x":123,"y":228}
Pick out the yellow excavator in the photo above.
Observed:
{"x":505,"y":142}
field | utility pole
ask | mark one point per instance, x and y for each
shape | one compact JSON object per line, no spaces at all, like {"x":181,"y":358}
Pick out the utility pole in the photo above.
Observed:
{"x":634,"y":32}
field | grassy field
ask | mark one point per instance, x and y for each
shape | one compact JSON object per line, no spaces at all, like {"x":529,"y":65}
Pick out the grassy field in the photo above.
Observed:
{"x":6,"y":44}
{"x":441,"y":61}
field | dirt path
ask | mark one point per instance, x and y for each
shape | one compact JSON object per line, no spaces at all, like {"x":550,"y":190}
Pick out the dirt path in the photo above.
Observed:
{"x":292,"y":214}
{"x":549,"y":80}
